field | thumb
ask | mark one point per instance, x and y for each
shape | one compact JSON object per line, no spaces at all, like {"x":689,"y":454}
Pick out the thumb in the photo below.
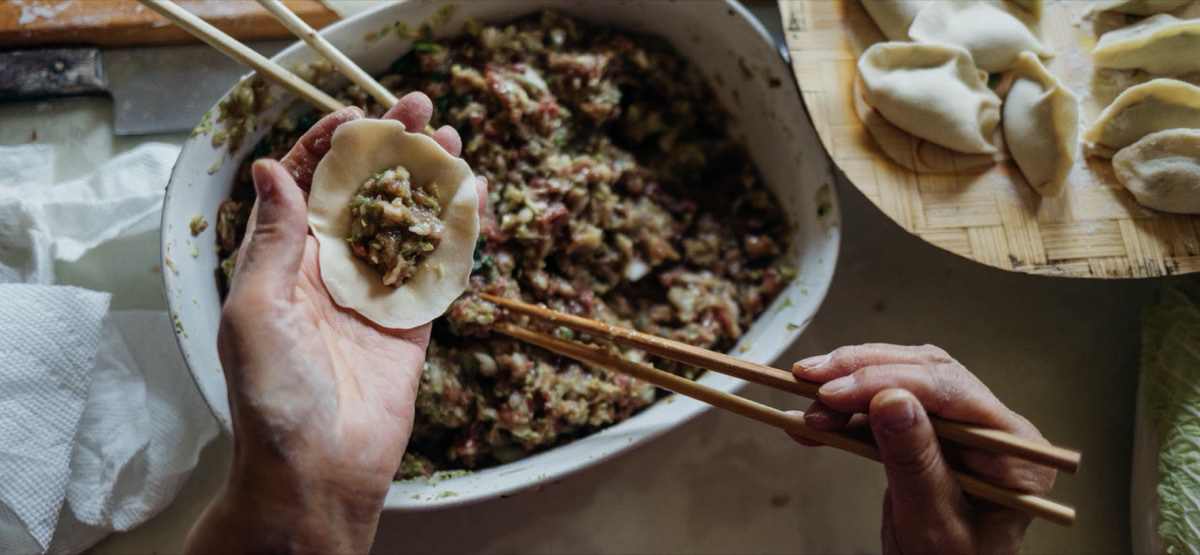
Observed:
{"x":924,"y":494}
{"x":271,"y":255}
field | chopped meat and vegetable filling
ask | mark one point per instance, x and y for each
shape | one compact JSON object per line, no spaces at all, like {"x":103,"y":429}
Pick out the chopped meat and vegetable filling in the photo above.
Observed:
{"x":396,"y":224}
{"x":616,"y":193}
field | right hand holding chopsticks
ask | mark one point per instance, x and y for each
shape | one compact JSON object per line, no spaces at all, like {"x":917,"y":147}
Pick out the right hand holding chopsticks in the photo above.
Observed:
{"x":889,"y":388}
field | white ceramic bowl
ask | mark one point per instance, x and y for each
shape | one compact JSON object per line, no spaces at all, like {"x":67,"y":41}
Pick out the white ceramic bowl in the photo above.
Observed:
{"x":753,"y":83}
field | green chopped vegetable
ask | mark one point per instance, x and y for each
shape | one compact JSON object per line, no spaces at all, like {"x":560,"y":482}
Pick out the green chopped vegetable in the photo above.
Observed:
{"x":1171,"y":374}
{"x":198,"y":225}
{"x":404,"y":30}
{"x":426,"y":46}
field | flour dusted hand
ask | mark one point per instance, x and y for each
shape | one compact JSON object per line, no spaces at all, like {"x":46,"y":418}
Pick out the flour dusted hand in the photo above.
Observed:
{"x":891,"y":390}
{"x":322,"y":399}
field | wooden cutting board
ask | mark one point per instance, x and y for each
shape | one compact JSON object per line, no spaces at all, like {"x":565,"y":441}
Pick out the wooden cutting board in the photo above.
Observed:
{"x":30,"y":23}
{"x":990,"y":214}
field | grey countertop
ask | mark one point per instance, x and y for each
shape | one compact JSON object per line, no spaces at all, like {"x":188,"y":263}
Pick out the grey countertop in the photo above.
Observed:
{"x":1062,"y":352}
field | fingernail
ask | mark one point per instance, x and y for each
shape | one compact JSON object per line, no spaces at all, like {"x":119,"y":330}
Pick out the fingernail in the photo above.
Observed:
{"x":836,"y":386}
{"x":894,"y":413}
{"x":815,"y":362}
{"x":263,"y":181}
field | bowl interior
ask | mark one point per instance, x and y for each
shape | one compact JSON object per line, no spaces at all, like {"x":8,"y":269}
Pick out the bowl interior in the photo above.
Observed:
{"x":751,"y":81}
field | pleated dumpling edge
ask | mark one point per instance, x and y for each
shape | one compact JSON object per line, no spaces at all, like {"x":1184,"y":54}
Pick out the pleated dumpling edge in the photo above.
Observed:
{"x":359,"y":150}
{"x":932,"y":91}
{"x":1041,"y":126}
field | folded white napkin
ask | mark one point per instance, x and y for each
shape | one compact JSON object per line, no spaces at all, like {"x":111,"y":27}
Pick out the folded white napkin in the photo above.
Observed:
{"x":102,"y":422}
{"x":49,"y":337}
{"x":122,"y":197}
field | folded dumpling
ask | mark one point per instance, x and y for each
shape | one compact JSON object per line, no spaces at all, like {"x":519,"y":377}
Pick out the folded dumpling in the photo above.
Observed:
{"x":909,"y":151}
{"x":932,"y":91}
{"x":1041,"y":126}
{"x":1162,"y":44}
{"x":1034,"y":7}
{"x":1139,"y":7}
{"x":371,"y":151}
{"x":1162,"y":170}
{"x":1139,"y":111}
{"x":893,"y":16}
{"x":995,"y":33}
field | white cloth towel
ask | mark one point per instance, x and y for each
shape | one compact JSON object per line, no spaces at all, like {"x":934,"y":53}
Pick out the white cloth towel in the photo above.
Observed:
{"x":102,"y":423}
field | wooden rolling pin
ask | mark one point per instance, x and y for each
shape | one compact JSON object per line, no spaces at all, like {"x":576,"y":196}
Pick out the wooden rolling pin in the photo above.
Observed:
{"x":113,"y":23}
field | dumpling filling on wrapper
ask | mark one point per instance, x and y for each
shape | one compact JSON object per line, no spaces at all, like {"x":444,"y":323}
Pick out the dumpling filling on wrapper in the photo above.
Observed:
{"x":396,"y":217}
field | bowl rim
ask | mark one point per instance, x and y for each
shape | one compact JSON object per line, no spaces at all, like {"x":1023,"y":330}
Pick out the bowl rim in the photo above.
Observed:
{"x":818,"y":290}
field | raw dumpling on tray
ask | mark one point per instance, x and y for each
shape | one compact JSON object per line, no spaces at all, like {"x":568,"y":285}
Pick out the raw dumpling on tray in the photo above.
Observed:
{"x":932,"y":91}
{"x":1139,"y":7}
{"x":1041,"y":126}
{"x":893,"y":17}
{"x":396,"y":217}
{"x":1162,"y":44}
{"x":995,"y":33}
{"x":930,"y":106}
{"x":1162,"y":170}
{"x":1144,"y":109}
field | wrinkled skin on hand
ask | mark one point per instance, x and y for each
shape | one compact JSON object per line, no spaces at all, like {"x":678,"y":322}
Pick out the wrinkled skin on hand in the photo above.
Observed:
{"x":322,"y":399}
{"x":891,"y":390}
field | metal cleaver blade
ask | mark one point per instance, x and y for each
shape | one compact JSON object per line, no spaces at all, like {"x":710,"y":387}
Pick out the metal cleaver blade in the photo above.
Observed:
{"x":166,"y":89}
{"x":158,"y":89}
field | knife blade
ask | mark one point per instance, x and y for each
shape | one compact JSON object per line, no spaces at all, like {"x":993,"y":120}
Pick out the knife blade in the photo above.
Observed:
{"x":160,"y":89}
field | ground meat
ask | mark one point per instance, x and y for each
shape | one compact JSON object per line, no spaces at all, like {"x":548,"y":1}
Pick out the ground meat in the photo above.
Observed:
{"x":396,"y":224}
{"x":615,"y":193}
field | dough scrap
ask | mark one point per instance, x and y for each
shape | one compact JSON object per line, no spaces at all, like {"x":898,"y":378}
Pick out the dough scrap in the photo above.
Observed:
{"x":360,"y":149}
{"x":1041,"y":126}
{"x":1144,"y":109}
{"x":933,"y":92}
{"x":995,"y":33}
{"x":1162,"y":44}
{"x":1162,"y":170}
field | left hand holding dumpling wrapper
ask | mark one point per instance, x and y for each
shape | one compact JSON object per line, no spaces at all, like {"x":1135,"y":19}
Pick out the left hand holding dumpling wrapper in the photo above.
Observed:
{"x":280,"y":327}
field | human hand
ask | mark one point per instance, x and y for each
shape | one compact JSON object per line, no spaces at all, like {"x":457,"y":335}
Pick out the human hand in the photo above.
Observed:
{"x":322,"y":399}
{"x":890,"y":389}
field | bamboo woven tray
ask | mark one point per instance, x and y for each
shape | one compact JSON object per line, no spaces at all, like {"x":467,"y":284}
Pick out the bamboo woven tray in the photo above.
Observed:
{"x":991,"y":215}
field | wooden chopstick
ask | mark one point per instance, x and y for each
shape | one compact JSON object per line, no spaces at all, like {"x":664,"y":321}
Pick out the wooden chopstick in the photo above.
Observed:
{"x":242,"y":53}
{"x":967,"y":434}
{"x":594,"y":355}
{"x":340,"y":61}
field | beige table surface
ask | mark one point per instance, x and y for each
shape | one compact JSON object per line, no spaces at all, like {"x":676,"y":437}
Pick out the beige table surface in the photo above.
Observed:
{"x":1062,"y":352}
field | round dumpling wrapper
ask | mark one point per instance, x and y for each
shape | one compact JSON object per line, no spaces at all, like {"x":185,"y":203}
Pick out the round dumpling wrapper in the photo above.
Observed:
{"x":360,"y":149}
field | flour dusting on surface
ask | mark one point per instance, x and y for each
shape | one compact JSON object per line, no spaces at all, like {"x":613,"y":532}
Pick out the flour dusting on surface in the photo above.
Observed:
{"x":31,"y":10}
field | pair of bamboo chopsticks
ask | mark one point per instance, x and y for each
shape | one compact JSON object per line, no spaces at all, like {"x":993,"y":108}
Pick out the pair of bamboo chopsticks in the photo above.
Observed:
{"x":270,"y":70}
{"x":966,"y":434}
